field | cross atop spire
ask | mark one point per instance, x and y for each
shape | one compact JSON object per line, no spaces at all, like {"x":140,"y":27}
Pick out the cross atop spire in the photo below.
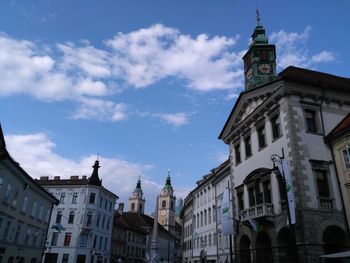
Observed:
{"x":257,"y":17}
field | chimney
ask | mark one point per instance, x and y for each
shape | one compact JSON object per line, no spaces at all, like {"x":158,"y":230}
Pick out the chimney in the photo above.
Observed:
{"x":120,"y":208}
{"x":74,"y":177}
{"x":44,"y":178}
{"x":56,"y":178}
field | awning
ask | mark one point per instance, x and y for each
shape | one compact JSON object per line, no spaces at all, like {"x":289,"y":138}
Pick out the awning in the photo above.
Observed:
{"x":344,"y":254}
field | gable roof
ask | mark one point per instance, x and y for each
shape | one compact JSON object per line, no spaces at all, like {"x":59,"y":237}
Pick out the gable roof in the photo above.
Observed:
{"x":290,"y":74}
{"x":342,"y":128}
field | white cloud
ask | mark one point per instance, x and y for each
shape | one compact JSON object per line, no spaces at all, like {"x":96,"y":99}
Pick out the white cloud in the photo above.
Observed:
{"x":36,"y":154}
{"x":292,"y":49}
{"x":176,"y":119}
{"x":148,"y":55}
{"x":324,"y":56}
{"x":101,"y":110}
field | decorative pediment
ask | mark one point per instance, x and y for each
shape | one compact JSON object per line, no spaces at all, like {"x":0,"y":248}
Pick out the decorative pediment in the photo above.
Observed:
{"x":247,"y":104}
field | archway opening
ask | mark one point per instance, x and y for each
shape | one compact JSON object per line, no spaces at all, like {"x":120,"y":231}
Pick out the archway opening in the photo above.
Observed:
{"x":334,"y":240}
{"x":244,"y":250}
{"x":263,"y":248}
{"x":286,"y":246}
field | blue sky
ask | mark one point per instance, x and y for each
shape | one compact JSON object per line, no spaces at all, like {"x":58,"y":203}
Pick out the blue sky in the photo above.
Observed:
{"x":147,"y":85}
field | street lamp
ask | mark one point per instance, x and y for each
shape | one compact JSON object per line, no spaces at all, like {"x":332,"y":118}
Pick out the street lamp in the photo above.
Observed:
{"x":275,"y":158}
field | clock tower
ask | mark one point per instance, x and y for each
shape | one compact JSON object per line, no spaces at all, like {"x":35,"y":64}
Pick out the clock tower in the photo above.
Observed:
{"x":136,"y":201}
{"x":260,"y":59}
{"x":166,"y":206}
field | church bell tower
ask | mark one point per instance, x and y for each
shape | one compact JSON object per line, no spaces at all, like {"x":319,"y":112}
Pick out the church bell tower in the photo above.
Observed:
{"x":136,"y":201}
{"x":166,"y":206}
{"x":260,"y":59}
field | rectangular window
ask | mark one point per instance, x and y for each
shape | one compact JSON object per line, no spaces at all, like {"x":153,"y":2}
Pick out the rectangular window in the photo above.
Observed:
{"x":75,"y":198}
{"x":346,"y":155}
{"x":6,"y":230}
{"x":261,"y":136}
{"x":8,"y":193}
{"x":247,"y":146}
{"x":34,"y":209}
{"x":25,"y":204}
{"x":18,"y":232}
{"x":237,"y":154}
{"x":240,"y":201}
{"x":83,"y":240}
{"x":65,"y":258}
{"x":251,"y":195}
{"x":322,"y":183}
{"x":310,"y":118}
{"x":67,"y":239}
{"x":92,"y":198}
{"x":54,"y":239}
{"x":275,"y":126}
{"x":267,"y":191}
{"x":63,"y":195}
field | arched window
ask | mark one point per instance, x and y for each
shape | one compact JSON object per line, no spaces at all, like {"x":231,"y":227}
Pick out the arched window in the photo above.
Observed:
{"x":71,"y":217}
{"x":214,"y":214}
{"x":201,"y":219}
{"x":163,"y":203}
{"x":198,"y":225}
{"x":140,"y":207}
{"x":58,"y":217}
{"x":132,"y":206}
{"x":171,"y":205}
{"x":205,"y":217}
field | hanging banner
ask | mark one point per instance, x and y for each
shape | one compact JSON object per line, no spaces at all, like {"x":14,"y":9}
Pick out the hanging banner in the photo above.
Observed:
{"x":283,"y":167}
{"x":226,"y":215}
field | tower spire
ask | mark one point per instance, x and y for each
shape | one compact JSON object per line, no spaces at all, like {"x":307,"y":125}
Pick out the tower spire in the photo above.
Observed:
{"x":94,"y":179}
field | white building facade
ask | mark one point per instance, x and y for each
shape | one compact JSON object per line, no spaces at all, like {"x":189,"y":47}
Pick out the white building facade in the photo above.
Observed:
{"x":81,"y":225}
{"x":204,"y":246}
{"x":287,"y":114}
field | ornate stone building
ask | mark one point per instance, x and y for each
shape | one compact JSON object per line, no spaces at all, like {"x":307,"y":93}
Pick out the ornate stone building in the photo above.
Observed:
{"x":287,"y":114}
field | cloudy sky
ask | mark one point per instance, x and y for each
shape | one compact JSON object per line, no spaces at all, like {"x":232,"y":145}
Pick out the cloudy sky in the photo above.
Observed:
{"x":146,"y":85}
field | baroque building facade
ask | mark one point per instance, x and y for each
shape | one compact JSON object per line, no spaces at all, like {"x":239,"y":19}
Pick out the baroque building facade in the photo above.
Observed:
{"x":288,"y":114}
{"x":81,"y":225}
{"x":25,"y":210}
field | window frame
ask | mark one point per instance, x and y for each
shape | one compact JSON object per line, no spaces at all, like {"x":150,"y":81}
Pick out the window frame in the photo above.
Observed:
{"x":248,"y":146}
{"x":237,"y":152}
{"x":275,"y":122}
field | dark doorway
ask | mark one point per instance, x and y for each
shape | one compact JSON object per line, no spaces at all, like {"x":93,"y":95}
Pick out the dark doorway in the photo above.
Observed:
{"x":335,"y":240}
{"x":263,"y":248}
{"x":286,"y":246}
{"x":244,"y":250}
{"x":51,"y":258}
{"x":81,"y":258}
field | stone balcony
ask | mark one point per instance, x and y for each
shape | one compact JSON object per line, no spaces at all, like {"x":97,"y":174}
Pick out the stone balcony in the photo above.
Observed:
{"x":261,"y":210}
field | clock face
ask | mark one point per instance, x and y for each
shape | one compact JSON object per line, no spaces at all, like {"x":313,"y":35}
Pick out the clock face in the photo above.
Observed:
{"x":249,"y":74}
{"x":162,"y":213}
{"x":264,"y":69}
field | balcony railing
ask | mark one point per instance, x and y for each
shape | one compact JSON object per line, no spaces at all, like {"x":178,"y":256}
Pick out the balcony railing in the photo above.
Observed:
{"x":326,"y":203}
{"x":261,"y":210}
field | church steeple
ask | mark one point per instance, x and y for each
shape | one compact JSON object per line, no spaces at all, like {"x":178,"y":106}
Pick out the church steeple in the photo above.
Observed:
{"x":168,"y":185}
{"x":136,"y":201}
{"x":260,"y":59}
{"x":166,"y":210}
{"x":94,"y":178}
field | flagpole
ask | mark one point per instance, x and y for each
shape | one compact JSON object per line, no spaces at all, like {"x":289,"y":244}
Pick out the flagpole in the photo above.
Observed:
{"x":275,"y":158}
